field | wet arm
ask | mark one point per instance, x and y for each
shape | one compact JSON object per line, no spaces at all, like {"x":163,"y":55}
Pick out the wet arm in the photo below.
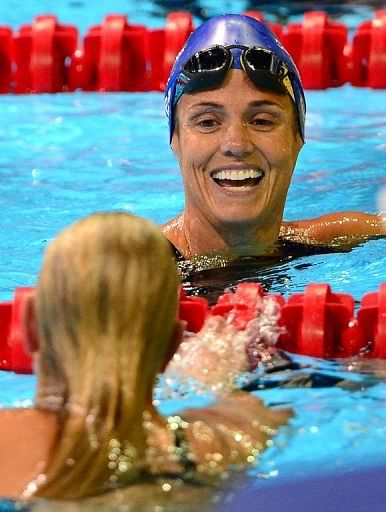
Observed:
{"x":339,"y":227}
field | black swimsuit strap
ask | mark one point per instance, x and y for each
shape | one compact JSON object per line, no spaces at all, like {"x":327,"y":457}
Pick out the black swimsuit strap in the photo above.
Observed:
{"x":178,"y":256}
{"x":185,"y":456}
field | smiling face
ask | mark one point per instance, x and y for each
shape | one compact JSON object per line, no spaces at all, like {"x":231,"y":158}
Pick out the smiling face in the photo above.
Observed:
{"x":237,"y":147}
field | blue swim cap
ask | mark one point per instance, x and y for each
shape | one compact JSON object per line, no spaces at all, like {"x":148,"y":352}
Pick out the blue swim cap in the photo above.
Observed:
{"x":234,"y":30}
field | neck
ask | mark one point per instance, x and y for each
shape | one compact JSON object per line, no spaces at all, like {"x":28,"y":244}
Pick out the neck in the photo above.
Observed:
{"x":233,"y":238}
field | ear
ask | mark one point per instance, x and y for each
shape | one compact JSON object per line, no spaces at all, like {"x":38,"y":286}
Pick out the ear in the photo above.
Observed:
{"x":175,"y":342}
{"x":29,"y":324}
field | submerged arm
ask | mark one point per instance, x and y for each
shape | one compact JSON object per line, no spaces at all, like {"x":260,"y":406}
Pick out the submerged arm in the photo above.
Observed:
{"x":232,"y":431}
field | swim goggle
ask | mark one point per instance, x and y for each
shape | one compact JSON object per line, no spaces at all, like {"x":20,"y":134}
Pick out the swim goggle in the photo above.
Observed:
{"x":207,"y":69}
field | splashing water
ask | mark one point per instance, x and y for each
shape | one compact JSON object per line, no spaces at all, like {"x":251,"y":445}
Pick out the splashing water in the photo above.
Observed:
{"x":221,"y":356}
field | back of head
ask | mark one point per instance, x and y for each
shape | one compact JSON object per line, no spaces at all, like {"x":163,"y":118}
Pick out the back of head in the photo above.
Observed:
{"x":106,"y":310}
{"x":232,"y":30}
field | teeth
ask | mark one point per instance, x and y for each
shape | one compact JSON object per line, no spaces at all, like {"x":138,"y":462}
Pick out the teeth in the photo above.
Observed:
{"x":237,"y":175}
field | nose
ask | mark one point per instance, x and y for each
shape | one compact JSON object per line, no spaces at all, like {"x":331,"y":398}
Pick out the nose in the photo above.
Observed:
{"x":236,"y":141}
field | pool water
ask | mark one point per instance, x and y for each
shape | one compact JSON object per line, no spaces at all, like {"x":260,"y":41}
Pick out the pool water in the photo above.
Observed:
{"x":66,"y":155}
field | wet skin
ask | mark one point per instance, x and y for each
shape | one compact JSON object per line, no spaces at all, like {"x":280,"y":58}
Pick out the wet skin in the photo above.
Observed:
{"x":237,"y":147}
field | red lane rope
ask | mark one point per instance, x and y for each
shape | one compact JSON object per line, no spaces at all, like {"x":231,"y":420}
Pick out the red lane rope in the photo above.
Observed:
{"x":318,"y":323}
{"x":47,"y":56}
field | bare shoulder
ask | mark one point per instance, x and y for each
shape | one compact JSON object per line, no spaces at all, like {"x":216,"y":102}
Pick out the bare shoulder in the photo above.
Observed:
{"x":171,"y":225}
{"x":173,"y":230}
{"x":27,"y":437}
{"x":332,"y":227}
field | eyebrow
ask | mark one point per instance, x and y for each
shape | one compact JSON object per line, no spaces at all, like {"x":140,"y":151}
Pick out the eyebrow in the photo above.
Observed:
{"x":208,"y":104}
{"x":251,"y":104}
{"x":264,"y":103}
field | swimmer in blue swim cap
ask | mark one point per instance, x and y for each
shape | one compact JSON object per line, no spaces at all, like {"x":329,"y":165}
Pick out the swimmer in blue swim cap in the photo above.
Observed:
{"x":236,"y":112}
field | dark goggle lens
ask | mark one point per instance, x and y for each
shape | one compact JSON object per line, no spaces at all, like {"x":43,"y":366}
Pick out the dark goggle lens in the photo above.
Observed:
{"x":212,"y":59}
{"x":258,"y":59}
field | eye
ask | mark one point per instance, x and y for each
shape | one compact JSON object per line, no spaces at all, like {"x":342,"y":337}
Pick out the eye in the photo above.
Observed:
{"x":264,"y":121}
{"x":206,"y":124}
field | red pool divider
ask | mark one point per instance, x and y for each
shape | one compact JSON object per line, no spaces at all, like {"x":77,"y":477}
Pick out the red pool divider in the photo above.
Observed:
{"x":13,"y":353}
{"x":372,"y":318}
{"x":6,"y":58}
{"x":47,"y":56}
{"x":321,"y":323}
{"x":5,"y":325}
{"x":41,"y":53}
{"x":239,"y":307}
{"x":317,"y":46}
{"x":179,"y":25}
{"x":193,"y":310}
{"x":318,"y":323}
{"x":368,"y":53}
{"x":113,"y":57}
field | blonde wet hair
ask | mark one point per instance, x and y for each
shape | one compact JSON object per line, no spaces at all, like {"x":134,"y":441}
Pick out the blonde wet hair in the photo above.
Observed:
{"x":106,"y":305}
